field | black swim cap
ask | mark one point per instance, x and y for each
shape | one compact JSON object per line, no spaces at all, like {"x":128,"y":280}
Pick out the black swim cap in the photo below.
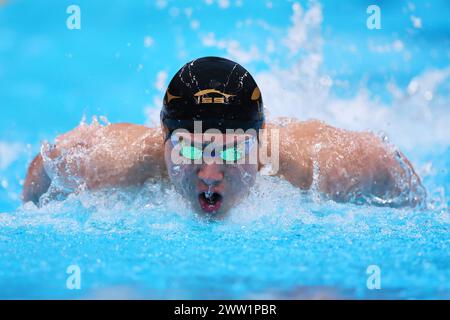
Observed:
{"x":218,"y":92}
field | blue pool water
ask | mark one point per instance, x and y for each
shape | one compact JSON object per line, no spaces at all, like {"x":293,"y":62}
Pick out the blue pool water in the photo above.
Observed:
{"x":312,"y":60}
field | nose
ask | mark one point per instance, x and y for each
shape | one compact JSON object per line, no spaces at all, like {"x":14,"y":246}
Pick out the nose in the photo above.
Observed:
{"x":211,"y":174}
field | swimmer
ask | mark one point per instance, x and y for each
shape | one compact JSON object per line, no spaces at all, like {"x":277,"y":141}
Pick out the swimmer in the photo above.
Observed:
{"x":213,"y":127}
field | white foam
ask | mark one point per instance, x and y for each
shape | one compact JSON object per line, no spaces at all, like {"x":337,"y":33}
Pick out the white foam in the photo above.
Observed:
{"x":10,"y":152}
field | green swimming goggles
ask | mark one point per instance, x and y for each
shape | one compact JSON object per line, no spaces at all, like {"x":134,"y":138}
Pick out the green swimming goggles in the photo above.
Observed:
{"x":229,"y":154}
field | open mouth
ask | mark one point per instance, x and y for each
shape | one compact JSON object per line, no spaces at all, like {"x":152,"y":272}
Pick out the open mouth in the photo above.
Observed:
{"x":210,"y":202}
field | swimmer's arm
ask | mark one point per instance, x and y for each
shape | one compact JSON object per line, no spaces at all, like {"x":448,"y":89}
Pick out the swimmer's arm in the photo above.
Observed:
{"x":99,"y":157}
{"x":369,"y":171}
{"x":37,"y":181}
{"x":347,"y":165}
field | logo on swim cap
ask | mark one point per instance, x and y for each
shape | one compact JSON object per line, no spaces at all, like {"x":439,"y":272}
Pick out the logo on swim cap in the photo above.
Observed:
{"x":212,"y":96}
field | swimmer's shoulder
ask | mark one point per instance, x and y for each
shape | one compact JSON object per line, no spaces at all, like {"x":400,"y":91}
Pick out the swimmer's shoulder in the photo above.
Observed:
{"x":144,"y":139}
{"x":89,"y":134}
{"x":134,"y":131}
{"x":130,"y":127}
{"x":306,"y":129}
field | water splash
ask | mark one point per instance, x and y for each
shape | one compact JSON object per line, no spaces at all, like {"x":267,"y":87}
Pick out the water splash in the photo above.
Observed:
{"x":280,"y":238}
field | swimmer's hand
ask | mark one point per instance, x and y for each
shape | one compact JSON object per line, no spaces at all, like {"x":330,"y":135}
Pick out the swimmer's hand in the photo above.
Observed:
{"x":96,"y":156}
{"x":347,"y":166}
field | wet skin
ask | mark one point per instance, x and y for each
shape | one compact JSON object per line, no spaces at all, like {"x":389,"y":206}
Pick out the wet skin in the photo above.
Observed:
{"x":344,"y":164}
{"x":212,"y":186}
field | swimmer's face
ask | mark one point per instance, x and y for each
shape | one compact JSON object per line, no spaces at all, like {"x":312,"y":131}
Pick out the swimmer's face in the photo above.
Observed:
{"x":212,"y":185}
